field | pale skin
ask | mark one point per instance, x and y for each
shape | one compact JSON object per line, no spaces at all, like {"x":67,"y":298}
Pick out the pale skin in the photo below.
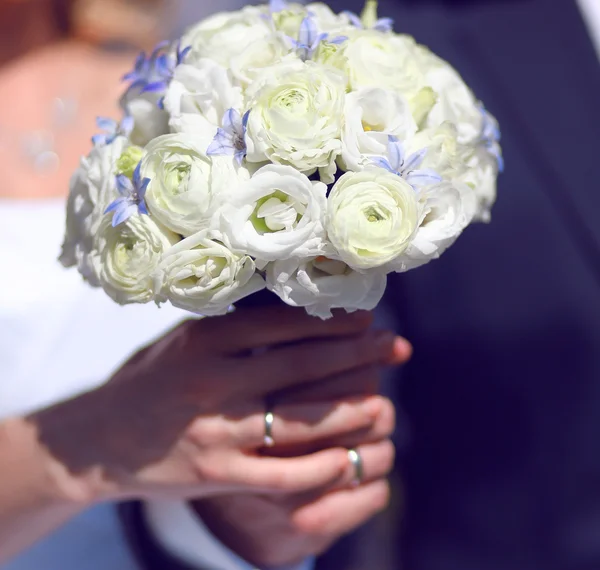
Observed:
{"x":196,"y":429}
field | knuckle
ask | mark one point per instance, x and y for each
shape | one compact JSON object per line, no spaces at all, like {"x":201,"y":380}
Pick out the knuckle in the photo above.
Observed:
{"x":388,"y":456}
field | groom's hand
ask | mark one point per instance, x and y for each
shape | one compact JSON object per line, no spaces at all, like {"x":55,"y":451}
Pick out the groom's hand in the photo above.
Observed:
{"x":271,"y":531}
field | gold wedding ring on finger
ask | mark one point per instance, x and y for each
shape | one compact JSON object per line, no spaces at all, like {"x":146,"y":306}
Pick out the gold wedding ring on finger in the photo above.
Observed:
{"x":357,"y":462}
{"x":268,"y":440}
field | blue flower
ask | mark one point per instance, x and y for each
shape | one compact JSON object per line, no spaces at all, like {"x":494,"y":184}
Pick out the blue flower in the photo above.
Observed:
{"x":112,"y":129}
{"x":153,"y":74}
{"x":131,"y":199}
{"x":407,"y":167}
{"x":309,"y":39}
{"x":490,"y":136}
{"x":231,"y":137}
{"x":381,"y":25}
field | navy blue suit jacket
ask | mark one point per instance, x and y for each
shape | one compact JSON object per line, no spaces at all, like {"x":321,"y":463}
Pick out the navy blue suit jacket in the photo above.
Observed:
{"x":503,"y":395}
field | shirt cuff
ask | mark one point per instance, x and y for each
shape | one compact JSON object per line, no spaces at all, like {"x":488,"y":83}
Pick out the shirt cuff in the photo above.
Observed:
{"x":183,"y":535}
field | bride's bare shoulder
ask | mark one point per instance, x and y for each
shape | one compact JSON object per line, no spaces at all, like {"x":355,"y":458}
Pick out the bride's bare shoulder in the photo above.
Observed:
{"x":49,"y":100}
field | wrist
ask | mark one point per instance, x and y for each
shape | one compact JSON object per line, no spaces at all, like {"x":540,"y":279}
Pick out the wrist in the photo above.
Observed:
{"x":46,"y":482}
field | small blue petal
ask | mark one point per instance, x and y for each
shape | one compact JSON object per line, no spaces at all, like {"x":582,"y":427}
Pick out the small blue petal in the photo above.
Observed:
{"x":395,"y":153}
{"x":127,"y":124}
{"x":221,"y":144}
{"x":239,"y":156}
{"x":338,"y":40}
{"x":384,"y":25}
{"x":137,"y":176}
{"x":383,"y":163}
{"x":99,"y":139}
{"x":143,"y":187}
{"x":143,"y":209}
{"x":123,"y":213}
{"x":106,"y":124}
{"x":231,"y":119}
{"x":415,"y":160}
{"x":183,"y":54}
{"x":155,"y":87}
{"x":425,"y":177}
{"x":308,"y":32}
{"x":354,"y":19}
{"x":116,"y":204}
{"x":245,"y":121}
{"x":124,"y":185}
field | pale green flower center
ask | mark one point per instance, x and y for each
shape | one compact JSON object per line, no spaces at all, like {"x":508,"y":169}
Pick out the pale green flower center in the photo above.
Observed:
{"x":277,"y":212}
{"x":130,"y":158}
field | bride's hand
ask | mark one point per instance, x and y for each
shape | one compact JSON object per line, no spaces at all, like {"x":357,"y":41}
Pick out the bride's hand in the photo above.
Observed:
{"x":185,"y":417}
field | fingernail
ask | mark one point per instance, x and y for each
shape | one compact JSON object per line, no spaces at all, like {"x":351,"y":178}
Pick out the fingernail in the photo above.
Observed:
{"x":402,"y":348}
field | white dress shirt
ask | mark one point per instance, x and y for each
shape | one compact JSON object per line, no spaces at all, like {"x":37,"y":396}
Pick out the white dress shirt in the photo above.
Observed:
{"x":59,"y":337}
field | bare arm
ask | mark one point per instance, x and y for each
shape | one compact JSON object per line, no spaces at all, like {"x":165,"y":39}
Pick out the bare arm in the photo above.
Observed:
{"x":35,"y":489}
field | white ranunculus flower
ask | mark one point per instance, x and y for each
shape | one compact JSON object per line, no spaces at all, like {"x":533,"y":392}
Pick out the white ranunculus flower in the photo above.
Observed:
{"x":199,"y":95}
{"x":295,"y":118}
{"x":327,"y":20}
{"x":201,"y":275}
{"x":372,"y":217}
{"x":125,"y":257}
{"x":226,"y":35}
{"x":186,"y":186}
{"x":277,"y":214}
{"x":93,"y":188}
{"x":456,"y":103}
{"x":372,"y":114}
{"x":448,"y":209}
{"x":378,"y":59}
{"x":149,"y":120}
{"x":444,"y":155}
{"x":481,"y":176}
{"x":323,"y":284}
{"x":261,"y":53}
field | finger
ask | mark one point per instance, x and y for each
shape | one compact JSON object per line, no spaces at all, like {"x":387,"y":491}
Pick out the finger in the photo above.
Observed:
{"x":401,"y":353}
{"x":382,"y":428}
{"x":340,"y":512}
{"x":377,"y":462}
{"x":294,"y":475}
{"x":312,"y":361}
{"x":358,"y":382}
{"x":246,"y":329}
{"x":295,"y":424}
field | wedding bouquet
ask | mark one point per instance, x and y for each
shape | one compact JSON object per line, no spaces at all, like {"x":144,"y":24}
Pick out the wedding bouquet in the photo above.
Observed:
{"x":280,"y":146}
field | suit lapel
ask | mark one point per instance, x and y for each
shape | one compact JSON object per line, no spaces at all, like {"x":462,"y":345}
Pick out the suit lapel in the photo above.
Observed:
{"x":541,"y":71}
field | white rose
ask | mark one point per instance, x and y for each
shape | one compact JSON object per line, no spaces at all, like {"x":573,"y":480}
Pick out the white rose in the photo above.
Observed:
{"x":447,"y":210}
{"x":93,"y":188}
{"x":226,"y":35}
{"x":199,"y":95}
{"x":149,"y":120}
{"x":277,"y":214}
{"x":327,"y":20}
{"x":456,"y":103}
{"x":295,"y":116}
{"x":201,"y":275}
{"x":323,"y":284}
{"x":378,"y":59}
{"x":125,"y":257}
{"x":186,"y":186}
{"x":370,"y":116}
{"x":372,"y":217}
